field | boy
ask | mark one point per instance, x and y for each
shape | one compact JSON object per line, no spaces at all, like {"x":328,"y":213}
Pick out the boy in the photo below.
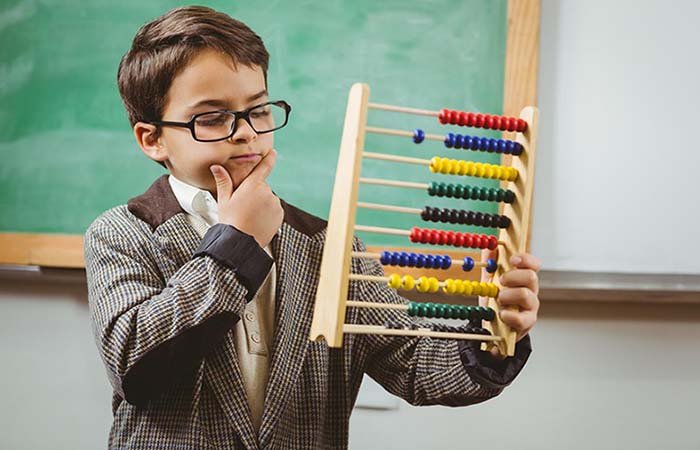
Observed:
{"x":202,"y":289}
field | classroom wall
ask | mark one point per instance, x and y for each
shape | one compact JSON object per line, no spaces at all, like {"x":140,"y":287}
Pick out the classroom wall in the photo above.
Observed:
{"x":602,"y":376}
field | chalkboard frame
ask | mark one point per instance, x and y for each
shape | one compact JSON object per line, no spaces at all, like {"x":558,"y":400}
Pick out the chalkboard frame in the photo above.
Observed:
{"x":520,"y":90}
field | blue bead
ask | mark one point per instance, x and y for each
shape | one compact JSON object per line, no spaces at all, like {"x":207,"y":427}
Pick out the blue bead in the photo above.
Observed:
{"x":446,"y":262}
{"x":412,"y":260}
{"x":420,"y":261}
{"x":468,"y":264}
{"x":403,"y":259}
{"x":458,"y":140}
{"x":491,"y":265}
{"x":449,"y":140}
{"x":385,"y":258}
{"x":510,"y":145}
{"x":418,"y":135}
{"x":517,"y":148}
{"x":429,"y":261}
{"x":483,"y":144}
{"x":394,"y":258}
{"x":493,"y":145}
{"x":475,"y":143}
{"x":502,"y":146}
{"x":467,"y":141}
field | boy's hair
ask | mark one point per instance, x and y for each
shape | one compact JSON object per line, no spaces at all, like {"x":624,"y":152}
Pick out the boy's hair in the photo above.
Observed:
{"x":164,"y":46}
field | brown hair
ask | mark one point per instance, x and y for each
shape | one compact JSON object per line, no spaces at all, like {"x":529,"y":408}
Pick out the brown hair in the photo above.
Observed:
{"x":164,"y":46}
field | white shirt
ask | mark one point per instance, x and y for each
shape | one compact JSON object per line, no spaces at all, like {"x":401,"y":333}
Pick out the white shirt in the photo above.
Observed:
{"x":253,"y":333}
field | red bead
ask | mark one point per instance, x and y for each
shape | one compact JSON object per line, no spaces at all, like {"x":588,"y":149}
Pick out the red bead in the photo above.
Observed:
{"x":459,"y":240}
{"x":468,"y":240}
{"x":522,"y":125}
{"x":434,"y":237}
{"x":415,"y":234}
{"x":462,"y":120}
{"x":478,"y":120}
{"x":450,"y":237}
{"x":470,"y":120}
{"x":483,"y":241}
{"x":443,"y":116}
{"x":493,"y":242}
{"x":495,"y":122}
{"x":454,"y":117}
{"x":443,"y":237}
{"x":488,"y":121}
{"x":512,"y":123}
{"x":504,"y":124}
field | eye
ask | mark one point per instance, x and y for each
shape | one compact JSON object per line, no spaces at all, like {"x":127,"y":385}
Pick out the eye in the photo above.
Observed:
{"x":212,"y":119}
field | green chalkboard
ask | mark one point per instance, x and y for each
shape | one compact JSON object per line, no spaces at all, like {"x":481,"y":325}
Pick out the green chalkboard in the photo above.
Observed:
{"x":67,"y":151}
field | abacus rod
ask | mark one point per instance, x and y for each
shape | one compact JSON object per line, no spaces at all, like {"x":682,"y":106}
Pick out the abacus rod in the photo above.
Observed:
{"x":395,"y":158}
{"x":394,"y":183}
{"x":378,"y":329}
{"x":402,"y":133}
{"x":376,"y":305}
{"x":377,"y":206}
{"x":378,"y":279}
{"x":403,"y":109}
{"x":370,"y":255}
{"x":382,"y":230}
{"x":395,"y":231}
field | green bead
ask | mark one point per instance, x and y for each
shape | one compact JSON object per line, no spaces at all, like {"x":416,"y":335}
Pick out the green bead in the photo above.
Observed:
{"x":412,"y":309}
{"x":463,"y":313}
{"x":450,"y":190}
{"x":492,"y":195}
{"x":430,"y":311}
{"x":483,"y":195}
{"x":432,"y":189}
{"x":467,"y":192}
{"x":459,"y":191}
{"x":499,"y":195}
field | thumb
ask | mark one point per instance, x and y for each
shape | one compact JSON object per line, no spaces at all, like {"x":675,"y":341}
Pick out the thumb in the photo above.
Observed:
{"x":264,"y":167}
{"x":224,"y":184}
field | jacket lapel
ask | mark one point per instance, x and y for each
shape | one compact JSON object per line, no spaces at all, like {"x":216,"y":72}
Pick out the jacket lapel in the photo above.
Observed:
{"x":295,"y":255}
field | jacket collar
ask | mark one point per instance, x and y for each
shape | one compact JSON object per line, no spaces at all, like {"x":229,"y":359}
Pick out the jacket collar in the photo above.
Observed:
{"x":158,"y":204}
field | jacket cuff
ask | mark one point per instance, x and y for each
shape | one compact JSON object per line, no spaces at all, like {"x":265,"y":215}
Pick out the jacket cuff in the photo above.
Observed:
{"x":491,"y":372}
{"x":239,"y":252}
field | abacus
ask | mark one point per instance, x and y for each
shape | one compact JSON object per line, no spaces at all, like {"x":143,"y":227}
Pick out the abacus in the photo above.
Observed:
{"x":514,"y":197}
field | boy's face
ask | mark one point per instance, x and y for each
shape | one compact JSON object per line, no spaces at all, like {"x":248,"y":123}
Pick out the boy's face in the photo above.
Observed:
{"x":210,"y":82}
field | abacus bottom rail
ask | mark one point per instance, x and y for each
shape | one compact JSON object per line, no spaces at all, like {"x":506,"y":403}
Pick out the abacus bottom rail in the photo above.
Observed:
{"x":423,"y":332}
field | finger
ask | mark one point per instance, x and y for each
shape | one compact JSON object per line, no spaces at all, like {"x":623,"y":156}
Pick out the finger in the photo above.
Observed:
{"x":519,"y":321}
{"x":521,"y":278}
{"x":224,"y":184}
{"x":264,"y":167}
{"x":526,"y":261}
{"x":522,"y":298}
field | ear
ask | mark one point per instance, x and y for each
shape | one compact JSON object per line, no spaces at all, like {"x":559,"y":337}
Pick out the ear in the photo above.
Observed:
{"x":148,"y":138}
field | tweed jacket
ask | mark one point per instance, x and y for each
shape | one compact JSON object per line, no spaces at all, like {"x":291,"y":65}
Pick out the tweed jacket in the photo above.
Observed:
{"x":163,"y":310}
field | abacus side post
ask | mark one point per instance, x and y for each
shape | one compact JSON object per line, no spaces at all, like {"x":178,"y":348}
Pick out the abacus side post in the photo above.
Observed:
{"x":517,"y":236}
{"x":331,"y":296}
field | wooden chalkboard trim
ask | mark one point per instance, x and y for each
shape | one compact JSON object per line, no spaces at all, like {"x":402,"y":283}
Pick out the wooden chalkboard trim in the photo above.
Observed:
{"x":47,"y":250}
{"x":520,"y":89}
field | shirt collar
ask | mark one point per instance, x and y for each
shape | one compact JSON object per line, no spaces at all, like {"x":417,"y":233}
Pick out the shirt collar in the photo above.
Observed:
{"x":195,"y":201}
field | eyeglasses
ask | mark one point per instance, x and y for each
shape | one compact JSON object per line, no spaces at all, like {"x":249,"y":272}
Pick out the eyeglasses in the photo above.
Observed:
{"x":212,"y":126}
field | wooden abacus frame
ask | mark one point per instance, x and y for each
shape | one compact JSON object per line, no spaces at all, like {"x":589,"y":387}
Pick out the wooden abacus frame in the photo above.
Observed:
{"x":332,"y":293}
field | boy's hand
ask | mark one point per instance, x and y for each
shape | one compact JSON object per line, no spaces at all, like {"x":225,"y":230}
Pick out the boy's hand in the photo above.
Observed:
{"x":252,"y":207}
{"x":519,"y":288}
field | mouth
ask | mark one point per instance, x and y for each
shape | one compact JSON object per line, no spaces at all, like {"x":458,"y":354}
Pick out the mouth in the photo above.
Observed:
{"x":247,"y":157}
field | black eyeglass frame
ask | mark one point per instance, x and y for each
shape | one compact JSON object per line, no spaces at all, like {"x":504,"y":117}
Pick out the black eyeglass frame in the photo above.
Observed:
{"x":237,"y":115}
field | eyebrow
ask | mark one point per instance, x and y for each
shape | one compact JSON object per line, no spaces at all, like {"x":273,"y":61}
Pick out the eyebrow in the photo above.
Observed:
{"x":219,"y":103}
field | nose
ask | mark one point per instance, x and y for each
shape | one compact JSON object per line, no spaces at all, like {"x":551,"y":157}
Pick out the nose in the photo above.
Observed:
{"x":244,"y":133}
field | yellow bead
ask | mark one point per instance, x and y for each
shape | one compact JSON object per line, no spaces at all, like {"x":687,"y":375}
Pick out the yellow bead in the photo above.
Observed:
{"x":467,"y":288}
{"x":450,"y":287}
{"x":407,"y":282}
{"x":513,"y":175}
{"x":423,"y":284}
{"x":494,"y":290}
{"x":434,"y":164}
{"x":476,"y":288}
{"x":489,"y":171}
{"x":459,"y":287}
{"x":434,"y":284}
{"x":497,"y":172}
{"x":394,"y":281}
{"x":445,"y":165}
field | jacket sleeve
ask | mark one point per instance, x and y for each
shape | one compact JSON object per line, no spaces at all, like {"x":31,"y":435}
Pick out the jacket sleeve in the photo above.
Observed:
{"x":427,"y":371}
{"x":152,"y":332}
